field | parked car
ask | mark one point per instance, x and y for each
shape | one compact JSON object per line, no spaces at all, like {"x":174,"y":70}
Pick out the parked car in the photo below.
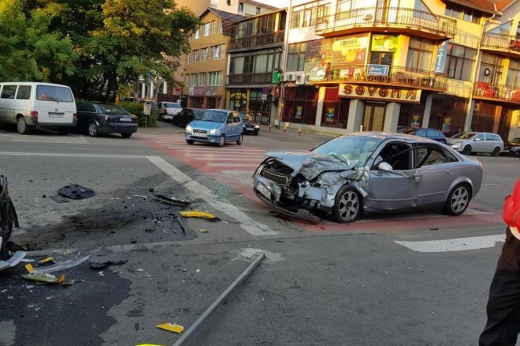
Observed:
{"x":368,"y":172}
{"x":167,"y":110}
{"x":96,"y":118}
{"x":217,"y":126}
{"x":425,"y":132}
{"x":470,"y":142}
{"x":249,"y":124}
{"x":185,"y":116}
{"x":512,"y":147}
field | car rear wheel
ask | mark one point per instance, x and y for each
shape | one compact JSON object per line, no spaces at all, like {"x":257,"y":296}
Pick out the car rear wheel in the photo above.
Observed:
{"x":93,"y":130}
{"x":467,"y":150}
{"x":189,"y":141}
{"x":495,"y":152}
{"x":458,"y":200}
{"x":348,"y":206}
{"x":222,"y":141}
{"x":126,"y":135}
{"x":240,"y":139}
{"x":21,"y":126}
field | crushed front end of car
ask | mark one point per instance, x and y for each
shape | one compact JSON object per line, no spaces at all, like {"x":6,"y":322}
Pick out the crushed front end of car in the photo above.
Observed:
{"x":304,"y":186}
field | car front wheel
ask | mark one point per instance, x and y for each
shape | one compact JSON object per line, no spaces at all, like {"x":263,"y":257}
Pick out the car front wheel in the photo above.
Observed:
{"x":93,"y":129}
{"x":240,"y":139}
{"x":222,"y":141}
{"x":458,"y":200}
{"x":348,"y":206}
{"x":189,"y":141}
{"x":467,"y":150}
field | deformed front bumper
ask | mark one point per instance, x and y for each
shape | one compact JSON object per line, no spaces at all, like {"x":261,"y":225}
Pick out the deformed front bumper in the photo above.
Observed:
{"x":264,"y":190}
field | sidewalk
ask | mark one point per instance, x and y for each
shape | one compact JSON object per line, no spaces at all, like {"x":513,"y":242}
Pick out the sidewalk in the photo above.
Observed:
{"x":296,"y":132}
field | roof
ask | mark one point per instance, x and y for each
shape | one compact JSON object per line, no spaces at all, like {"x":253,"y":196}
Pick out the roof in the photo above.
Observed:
{"x":488,"y":6}
{"x":502,"y":4}
{"x":246,"y":18}
{"x":225,"y":16}
{"x":259,"y":4}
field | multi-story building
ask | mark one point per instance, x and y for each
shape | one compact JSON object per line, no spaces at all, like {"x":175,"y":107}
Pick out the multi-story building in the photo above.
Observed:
{"x":377,"y":65}
{"x":255,"y":52}
{"x":157,"y":88}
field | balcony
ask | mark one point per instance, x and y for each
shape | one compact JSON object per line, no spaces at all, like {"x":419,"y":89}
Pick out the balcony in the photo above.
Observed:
{"x":397,"y":76}
{"x":506,"y":44}
{"x":257,"y":41}
{"x":250,"y":78}
{"x":389,"y":20}
{"x":486,"y":91}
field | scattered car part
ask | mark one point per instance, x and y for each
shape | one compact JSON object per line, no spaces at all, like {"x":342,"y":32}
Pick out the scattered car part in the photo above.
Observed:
{"x":59,"y":199}
{"x":44,"y":278}
{"x":199,"y":214}
{"x":75,"y":191}
{"x":220,"y":299}
{"x":61,"y":266}
{"x":171,"y":327}
{"x":105,"y":261}
{"x":13,"y":260}
{"x":171,"y":200}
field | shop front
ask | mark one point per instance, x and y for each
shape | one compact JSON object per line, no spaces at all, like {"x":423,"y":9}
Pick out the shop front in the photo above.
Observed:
{"x":196,"y":97}
{"x":213,"y":99}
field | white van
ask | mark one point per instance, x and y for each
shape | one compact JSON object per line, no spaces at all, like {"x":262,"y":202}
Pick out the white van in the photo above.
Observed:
{"x":34,"y":104}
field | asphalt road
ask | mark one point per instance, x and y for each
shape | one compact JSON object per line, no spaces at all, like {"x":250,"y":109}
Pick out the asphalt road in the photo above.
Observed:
{"x":367,"y":284}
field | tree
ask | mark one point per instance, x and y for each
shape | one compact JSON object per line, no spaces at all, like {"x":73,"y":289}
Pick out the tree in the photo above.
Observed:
{"x":29,"y":50}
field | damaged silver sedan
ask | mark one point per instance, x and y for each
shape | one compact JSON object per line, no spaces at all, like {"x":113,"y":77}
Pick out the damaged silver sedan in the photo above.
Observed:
{"x":368,"y":172}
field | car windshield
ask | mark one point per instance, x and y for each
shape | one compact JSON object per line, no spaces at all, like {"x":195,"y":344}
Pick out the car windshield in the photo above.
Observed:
{"x":245,"y":116}
{"x":172,"y":105}
{"x":213,"y":116}
{"x":113,"y":109}
{"x":353,"y":150}
{"x":465,"y":135}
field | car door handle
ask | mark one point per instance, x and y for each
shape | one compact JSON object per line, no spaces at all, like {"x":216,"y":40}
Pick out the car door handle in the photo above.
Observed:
{"x":449,"y":172}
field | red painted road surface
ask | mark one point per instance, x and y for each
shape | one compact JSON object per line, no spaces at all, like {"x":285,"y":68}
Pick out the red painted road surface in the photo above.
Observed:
{"x":234,"y":165}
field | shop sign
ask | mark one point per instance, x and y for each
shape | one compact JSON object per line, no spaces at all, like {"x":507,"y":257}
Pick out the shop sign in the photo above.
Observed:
{"x":378,"y":70}
{"x":440,"y":59}
{"x":384,"y":43}
{"x":380,"y":93}
{"x":198,"y":91}
{"x":191,"y":90}
{"x":299,"y":112}
{"x":211,"y":91}
{"x":277,"y":92}
{"x":324,"y":58}
{"x":416,"y":120}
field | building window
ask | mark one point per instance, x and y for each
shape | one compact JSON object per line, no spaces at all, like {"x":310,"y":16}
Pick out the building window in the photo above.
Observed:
{"x":491,"y":69}
{"x":216,"y":52}
{"x":420,"y":54}
{"x":310,"y":14}
{"x":240,"y":7}
{"x":301,"y":105}
{"x":258,"y":10}
{"x":202,"y":79}
{"x":215,"y":78}
{"x":197,"y":34}
{"x":187,"y":80}
{"x":196,"y":55}
{"x":264,"y":61}
{"x":459,"y":62}
{"x":513,"y":74}
{"x":194,"y":79}
{"x":204,"y":54}
{"x":219,"y":27}
{"x":296,"y":56}
{"x":212,"y":30}
{"x":206,"y":29}
{"x":189,"y":57}
{"x":453,"y":10}
{"x":463,"y":12}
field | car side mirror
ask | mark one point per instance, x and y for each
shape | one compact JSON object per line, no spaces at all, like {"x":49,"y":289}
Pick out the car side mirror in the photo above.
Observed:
{"x":385,"y":167}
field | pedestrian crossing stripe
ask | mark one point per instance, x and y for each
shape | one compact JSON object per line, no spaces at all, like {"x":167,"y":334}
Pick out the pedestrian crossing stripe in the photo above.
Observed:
{"x":458,"y":244}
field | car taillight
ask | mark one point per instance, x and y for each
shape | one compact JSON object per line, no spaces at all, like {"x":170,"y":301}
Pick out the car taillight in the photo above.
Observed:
{"x":34,"y":114}
{"x":74,"y":115}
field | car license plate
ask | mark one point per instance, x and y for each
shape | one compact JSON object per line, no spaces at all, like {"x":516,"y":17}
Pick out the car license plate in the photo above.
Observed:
{"x":200,"y":134}
{"x":263,"y":190}
{"x":125,"y":119}
{"x":56,"y":115}
{"x":249,"y":129}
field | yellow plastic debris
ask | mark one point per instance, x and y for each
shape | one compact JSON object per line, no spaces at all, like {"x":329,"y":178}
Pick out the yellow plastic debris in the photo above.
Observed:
{"x":171,"y":327}
{"x":41,"y":277}
{"x":29,"y":268}
{"x":202,"y":230}
{"x":47,"y":260}
{"x":199,"y":214}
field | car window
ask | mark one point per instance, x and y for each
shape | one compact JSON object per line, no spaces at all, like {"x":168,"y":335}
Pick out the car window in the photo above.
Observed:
{"x":450,"y":155}
{"x":24,"y":92}
{"x":82,"y":107}
{"x":236,"y":118}
{"x":497,"y":138}
{"x":490,"y":137}
{"x":398,"y":155}
{"x":230,"y":118}
{"x":440,"y":134}
{"x":429,"y":155}
{"x":465,"y":135}
{"x":480,"y":136}
{"x":54,"y":93}
{"x":8,"y":91}
{"x":113,"y":109}
{"x":432,"y":134}
{"x":213,"y":116}
{"x":353,"y":150}
{"x":420,"y":132}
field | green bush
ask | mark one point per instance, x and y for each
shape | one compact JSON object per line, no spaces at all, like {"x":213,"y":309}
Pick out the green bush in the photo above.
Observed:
{"x":137,"y":108}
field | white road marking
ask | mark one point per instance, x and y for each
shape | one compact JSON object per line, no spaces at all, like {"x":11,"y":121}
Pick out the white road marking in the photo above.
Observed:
{"x":459,"y":244}
{"x":13,"y":153}
{"x":215,"y":150}
{"x":213,"y":158}
{"x":249,"y":225}
{"x":232,"y":165}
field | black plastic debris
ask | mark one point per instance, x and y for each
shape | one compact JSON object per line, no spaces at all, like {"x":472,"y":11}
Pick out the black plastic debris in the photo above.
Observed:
{"x":99,"y":262}
{"x":170,"y":200}
{"x":75,"y":191}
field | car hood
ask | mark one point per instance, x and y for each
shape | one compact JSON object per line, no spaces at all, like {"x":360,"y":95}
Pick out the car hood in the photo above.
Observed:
{"x":310,"y":165}
{"x":455,"y":140}
{"x":247,"y":122}
{"x":206,"y":125}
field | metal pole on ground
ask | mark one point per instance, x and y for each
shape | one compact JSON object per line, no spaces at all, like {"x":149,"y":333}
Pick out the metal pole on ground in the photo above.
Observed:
{"x":219,"y":300}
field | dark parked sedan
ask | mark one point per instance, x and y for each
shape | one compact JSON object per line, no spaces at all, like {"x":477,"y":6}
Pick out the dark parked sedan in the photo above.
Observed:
{"x":512,"y":147}
{"x":185,"y":116}
{"x":250,"y":126}
{"x":424,"y":132}
{"x":96,"y":118}
{"x":368,"y":172}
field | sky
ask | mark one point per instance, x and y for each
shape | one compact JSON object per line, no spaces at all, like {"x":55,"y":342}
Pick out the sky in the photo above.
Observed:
{"x":277,"y":3}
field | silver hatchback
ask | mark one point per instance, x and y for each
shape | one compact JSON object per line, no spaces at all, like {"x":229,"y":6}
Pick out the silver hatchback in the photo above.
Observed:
{"x":470,"y":142}
{"x":368,"y":172}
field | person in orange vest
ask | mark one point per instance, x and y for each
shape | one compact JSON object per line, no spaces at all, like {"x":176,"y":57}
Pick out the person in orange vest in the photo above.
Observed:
{"x":503,"y":306}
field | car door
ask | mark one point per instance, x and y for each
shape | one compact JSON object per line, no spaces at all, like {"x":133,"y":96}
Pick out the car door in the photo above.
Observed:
{"x":479,"y":144}
{"x":490,"y":142}
{"x":396,"y":189}
{"x":435,"y":171}
{"x":237,"y":123}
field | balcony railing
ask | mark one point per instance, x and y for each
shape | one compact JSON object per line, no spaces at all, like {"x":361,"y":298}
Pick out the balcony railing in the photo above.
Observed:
{"x":389,"y":16}
{"x":250,"y":78}
{"x":499,"y":92}
{"x":501,"y":41}
{"x":257,"y":40}
{"x":397,"y":75}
